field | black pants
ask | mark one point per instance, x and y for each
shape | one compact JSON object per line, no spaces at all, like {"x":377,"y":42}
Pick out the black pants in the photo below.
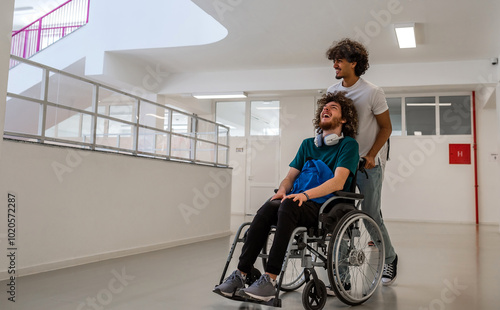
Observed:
{"x":286,"y":216}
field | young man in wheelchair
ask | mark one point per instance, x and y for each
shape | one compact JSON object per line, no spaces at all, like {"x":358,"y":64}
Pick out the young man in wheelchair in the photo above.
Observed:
{"x":299,"y":197}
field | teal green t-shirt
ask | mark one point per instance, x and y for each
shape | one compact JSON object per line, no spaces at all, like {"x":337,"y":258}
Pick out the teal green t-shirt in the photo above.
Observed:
{"x":343,"y":154}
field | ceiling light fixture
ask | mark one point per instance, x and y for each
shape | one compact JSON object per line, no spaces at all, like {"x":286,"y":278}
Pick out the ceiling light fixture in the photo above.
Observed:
{"x":228,"y":95}
{"x":268,"y":108}
{"x":427,"y":104}
{"x":24,"y":10}
{"x":406,"y":35}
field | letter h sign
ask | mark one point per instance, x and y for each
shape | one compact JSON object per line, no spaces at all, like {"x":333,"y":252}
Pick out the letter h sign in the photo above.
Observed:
{"x":460,"y":154}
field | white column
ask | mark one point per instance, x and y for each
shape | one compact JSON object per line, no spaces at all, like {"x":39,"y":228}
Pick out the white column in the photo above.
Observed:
{"x":498,"y":134}
{"x":6,"y":17}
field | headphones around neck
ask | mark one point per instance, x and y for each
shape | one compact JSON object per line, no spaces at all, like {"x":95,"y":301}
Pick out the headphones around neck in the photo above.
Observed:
{"x":328,"y":140}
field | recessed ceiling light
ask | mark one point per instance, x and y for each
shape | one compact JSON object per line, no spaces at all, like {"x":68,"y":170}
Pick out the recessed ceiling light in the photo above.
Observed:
{"x":406,"y":35}
{"x":228,"y":95}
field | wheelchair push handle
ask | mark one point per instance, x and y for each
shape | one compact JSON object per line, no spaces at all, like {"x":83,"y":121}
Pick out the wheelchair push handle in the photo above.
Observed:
{"x":361,"y":166}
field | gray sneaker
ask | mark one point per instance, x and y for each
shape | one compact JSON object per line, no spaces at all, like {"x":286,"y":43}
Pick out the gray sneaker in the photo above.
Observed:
{"x":262,"y":289}
{"x":232,"y":283}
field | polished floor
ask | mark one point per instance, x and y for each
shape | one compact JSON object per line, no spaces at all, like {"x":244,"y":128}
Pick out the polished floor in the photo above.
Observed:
{"x":442,"y":266}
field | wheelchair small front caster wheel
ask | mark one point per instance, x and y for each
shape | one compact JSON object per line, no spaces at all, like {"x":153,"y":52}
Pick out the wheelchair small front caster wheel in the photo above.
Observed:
{"x":314,"y":298}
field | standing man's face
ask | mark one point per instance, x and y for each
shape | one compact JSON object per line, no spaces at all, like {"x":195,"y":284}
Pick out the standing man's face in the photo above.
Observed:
{"x":343,"y":68}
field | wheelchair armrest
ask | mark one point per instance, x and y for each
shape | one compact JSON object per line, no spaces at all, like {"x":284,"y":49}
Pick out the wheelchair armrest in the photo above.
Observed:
{"x":348,"y":195}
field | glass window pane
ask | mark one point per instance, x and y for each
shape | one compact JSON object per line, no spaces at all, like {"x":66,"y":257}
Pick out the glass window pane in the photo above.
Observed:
{"x":155,"y":116}
{"x":22,"y":116}
{"x":395,"y":114}
{"x":420,"y":116}
{"x":181,"y":123}
{"x":70,"y":92}
{"x":154,"y":142}
{"x":265,"y":118}
{"x":68,"y":125}
{"x":123,"y":112}
{"x":206,"y":130}
{"x":205,"y":152}
{"x":114,"y":134}
{"x":118,"y":105}
{"x":455,"y":115}
{"x":26,"y":80}
{"x":223,"y":135}
{"x":181,"y":147}
{"x":232,"y":114}
{"x":222,"y":155}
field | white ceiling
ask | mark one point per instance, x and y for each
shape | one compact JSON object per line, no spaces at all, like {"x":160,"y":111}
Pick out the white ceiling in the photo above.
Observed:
{"x":296,"y":33}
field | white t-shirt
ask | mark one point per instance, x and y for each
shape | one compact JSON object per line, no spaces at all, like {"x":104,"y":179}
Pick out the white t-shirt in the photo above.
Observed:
{"x":369,"y":101}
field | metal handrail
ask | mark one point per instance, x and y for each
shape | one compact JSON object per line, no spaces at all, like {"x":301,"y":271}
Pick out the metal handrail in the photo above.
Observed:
{"x":50,"y":28}
{"x":191,"y":137}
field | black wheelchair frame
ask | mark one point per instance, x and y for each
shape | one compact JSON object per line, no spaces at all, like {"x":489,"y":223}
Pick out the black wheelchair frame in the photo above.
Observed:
{"x":347,"y":243}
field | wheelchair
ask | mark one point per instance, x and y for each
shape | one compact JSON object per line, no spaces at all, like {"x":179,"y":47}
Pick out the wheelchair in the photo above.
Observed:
{"x":347,"y":243}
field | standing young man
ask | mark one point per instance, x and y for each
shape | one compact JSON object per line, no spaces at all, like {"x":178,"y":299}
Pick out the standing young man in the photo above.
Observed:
{"x":350,"y":61}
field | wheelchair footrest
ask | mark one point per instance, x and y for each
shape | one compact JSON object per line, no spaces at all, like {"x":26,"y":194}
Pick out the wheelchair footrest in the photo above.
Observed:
{"x":272,"y":303}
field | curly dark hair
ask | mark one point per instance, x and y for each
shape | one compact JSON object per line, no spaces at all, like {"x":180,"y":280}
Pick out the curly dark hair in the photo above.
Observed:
{"x":349,"y":113}
{"x":352,"y":51}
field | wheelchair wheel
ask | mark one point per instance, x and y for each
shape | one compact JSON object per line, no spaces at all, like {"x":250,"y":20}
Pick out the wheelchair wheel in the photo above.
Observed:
{"x":355,"y":258}
{"x":294,"y":275}
{"x":314,"y":298}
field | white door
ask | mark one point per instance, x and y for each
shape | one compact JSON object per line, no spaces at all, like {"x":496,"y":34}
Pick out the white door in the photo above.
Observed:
{"x":262,"y":170}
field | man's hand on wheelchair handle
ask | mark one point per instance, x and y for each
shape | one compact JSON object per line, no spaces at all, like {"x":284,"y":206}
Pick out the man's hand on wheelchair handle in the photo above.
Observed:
{"x":370,"y":162}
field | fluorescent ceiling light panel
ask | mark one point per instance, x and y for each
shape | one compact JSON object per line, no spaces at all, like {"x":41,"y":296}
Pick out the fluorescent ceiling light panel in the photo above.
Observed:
{"x":228,"y":95}
{"x":427,"y":104}
{"x":406,"y":35}
{"x":268,"y":108}
{"x":24,"y":10}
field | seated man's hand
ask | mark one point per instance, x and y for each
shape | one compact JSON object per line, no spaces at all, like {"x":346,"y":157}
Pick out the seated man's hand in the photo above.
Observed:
{"x":297,"y":197}
{"x":278,"y":196}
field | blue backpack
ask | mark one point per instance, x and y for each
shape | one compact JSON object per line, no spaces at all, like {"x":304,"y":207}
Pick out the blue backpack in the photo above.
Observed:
{"x":314,"y":173}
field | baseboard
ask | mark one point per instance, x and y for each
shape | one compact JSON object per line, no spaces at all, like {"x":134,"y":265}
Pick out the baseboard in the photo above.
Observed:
{"x":109,"y":255}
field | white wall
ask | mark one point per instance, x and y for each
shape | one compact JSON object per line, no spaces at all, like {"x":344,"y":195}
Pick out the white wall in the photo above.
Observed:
{"x":497,"y":192}
{"x":76,"y":207}
{"x":443,"y":76}
{"x":6,"y":16}
{"x":488,"y":170}
{"x":421,"y":185}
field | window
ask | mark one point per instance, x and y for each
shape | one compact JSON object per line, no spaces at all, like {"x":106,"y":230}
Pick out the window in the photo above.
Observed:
{"x":264,"y":118}
{"x":430,"y":115}
{"x":455,"y":115}
{"x":232,"y":114}
{"x":395,"y":114}
{"x":420,"y":116}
